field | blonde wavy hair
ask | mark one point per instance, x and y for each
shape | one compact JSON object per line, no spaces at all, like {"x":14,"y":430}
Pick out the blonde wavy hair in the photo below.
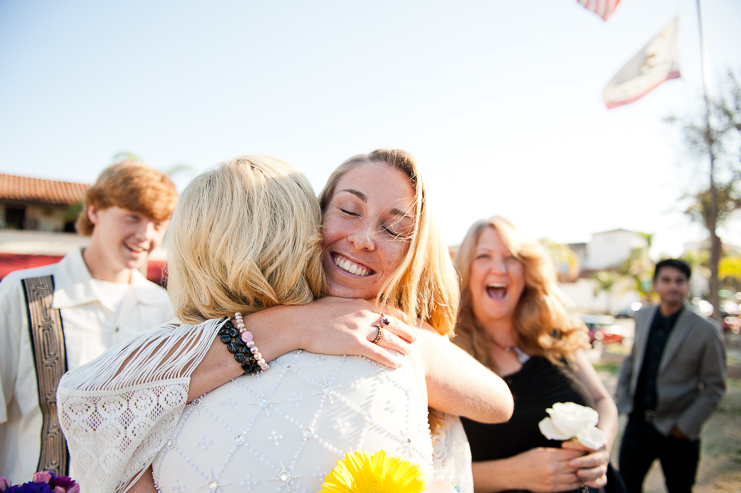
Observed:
{"x":244,"y":236}
{"x":542,"y":324}
{"x":425,"y":285}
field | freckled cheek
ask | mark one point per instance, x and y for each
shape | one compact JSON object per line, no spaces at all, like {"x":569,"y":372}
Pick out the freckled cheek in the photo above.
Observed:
{"x":393,"y":254}
{"x":331,"y":231}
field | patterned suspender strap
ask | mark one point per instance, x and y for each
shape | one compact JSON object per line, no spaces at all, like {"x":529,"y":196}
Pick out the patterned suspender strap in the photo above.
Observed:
{"x":50,"y":357}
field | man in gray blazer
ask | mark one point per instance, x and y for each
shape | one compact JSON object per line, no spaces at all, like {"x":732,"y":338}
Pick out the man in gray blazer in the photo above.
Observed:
{"x":670,"y":384}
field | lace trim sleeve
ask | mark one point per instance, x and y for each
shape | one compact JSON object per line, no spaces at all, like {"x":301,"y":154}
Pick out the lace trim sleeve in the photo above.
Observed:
{"x":451,"y":459}
{"x":120,"y":409}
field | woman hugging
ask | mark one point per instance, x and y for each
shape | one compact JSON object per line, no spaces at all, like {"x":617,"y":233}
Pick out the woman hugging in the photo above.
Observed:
{"x":254,"y":386}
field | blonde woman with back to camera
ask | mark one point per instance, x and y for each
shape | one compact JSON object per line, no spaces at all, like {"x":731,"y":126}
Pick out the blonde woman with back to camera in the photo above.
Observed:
{"x":513,"y":320}
{"x":237,"y":245}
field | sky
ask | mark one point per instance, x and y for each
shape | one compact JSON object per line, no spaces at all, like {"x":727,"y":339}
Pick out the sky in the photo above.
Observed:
{"x":500,"y":101}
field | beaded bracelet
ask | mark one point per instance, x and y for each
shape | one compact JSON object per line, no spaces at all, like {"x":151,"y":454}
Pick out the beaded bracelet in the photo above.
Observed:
{"x":239,"y":342}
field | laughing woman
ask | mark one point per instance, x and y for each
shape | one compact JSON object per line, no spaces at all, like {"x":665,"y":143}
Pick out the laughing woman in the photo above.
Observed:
{"x":513,"y":320}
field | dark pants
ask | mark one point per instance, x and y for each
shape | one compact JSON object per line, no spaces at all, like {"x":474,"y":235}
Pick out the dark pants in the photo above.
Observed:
{"x":642,"y":444}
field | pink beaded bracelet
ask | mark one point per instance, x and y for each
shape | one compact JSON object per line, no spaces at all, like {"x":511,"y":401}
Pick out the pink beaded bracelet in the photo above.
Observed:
{"x":246,"y":337}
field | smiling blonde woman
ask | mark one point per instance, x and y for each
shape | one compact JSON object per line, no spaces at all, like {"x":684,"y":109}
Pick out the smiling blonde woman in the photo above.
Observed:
{"x":291,"y":423}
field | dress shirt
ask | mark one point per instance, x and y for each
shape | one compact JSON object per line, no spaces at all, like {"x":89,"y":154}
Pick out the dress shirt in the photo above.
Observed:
{"x":661,"y":327}
{"x":90,"y":325}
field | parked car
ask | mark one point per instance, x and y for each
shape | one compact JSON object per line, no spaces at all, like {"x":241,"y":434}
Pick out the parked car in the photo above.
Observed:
{"x":602,"y":330}
{"x":629,"y":311}
{"x":731,"y":324}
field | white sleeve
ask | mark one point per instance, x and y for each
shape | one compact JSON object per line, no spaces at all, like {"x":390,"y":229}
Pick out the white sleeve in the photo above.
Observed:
{"x":120,"y":409}
{"x":12,"y":321}
{"x":451,"y":455}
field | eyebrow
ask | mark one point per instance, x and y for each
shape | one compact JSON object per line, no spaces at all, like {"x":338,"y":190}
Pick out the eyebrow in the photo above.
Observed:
{"x":400,"y":213}
{"x":357,"y":193}
{"x":364,"y":198}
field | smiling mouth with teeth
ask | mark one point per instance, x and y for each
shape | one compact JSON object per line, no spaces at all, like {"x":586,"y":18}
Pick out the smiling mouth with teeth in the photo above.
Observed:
{"x":134,"y":248}
{"x":496,"y":290}
{"x":350,"y":266}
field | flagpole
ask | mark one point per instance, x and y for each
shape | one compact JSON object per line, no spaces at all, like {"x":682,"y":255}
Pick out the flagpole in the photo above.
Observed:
{"x":715,"y":247}
{"x":705,"y":70}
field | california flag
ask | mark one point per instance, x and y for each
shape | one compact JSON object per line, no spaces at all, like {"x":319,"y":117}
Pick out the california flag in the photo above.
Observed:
{"x":603,"y":8}
{"x":657,"y":62}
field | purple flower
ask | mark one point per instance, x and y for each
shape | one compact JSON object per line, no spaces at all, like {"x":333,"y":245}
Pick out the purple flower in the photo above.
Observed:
{"x":67,"y":484}
{"x":29,"y":488}
{"x":42,"y":477}
{"x":43,"y":482}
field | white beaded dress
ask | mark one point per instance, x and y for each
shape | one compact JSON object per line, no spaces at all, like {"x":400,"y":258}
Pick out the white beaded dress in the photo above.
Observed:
{"x":124,"y":409}
{"x":285,"y":429}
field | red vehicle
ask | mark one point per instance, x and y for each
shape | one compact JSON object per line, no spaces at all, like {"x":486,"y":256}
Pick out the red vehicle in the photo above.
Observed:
{"x":731,"y":324}
{"x":602,"y":330}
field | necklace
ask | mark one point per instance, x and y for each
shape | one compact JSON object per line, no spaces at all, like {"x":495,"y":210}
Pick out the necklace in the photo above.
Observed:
{"x":521,"y":355}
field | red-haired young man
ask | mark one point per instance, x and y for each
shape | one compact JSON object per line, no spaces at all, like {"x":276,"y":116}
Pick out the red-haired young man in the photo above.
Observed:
{"x":57,"y":317}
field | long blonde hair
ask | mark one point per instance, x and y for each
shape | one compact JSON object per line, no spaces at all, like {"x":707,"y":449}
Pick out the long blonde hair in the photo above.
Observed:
{"x":244,"y":236}
{"x":425,"y":284}
{"x":541,"y":322}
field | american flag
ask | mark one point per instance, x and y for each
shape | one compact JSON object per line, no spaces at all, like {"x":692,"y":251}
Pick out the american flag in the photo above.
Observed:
{"x":603,"y":8}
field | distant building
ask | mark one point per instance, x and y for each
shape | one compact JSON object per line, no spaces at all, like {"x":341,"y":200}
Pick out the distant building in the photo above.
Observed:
{"x":609,"y":249}
{"x":35,"y":204}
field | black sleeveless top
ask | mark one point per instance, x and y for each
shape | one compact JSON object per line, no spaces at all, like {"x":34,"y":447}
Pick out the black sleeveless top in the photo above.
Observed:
{"x":537,"y":386}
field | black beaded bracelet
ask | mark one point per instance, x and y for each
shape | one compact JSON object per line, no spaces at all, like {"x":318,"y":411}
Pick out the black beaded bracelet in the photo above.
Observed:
{"x":230,"y":336}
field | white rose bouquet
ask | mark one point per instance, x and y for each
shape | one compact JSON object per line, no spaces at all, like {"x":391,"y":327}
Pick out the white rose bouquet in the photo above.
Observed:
{"x":568,"y":420}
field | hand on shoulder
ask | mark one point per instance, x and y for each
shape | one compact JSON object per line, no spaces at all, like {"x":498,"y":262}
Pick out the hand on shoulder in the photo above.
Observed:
{"x":339,"y":326}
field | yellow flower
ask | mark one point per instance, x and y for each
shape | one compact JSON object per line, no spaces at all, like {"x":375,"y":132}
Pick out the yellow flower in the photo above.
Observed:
{"x":361,"y":472}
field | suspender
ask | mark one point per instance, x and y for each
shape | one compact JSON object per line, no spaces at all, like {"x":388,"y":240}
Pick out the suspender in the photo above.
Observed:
{"x":50,"y":358}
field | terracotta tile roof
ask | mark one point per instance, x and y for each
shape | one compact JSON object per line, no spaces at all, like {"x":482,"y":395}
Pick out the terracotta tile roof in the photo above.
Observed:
{"x":38,"y":191}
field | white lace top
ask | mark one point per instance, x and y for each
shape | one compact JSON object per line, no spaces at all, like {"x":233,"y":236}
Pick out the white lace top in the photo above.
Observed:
{"x":116,"y":421}
{"x":285,"y":429}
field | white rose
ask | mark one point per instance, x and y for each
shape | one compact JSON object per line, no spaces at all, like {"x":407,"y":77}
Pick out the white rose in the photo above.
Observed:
{"x":593,"y":438}
{"x":568,"y":420}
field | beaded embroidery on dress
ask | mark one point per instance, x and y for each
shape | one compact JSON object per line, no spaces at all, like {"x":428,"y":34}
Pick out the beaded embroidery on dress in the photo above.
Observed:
{"x":285,"y":429}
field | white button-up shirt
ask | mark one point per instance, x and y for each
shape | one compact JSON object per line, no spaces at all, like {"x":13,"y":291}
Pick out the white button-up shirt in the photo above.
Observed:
{"x":90,"y":328}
